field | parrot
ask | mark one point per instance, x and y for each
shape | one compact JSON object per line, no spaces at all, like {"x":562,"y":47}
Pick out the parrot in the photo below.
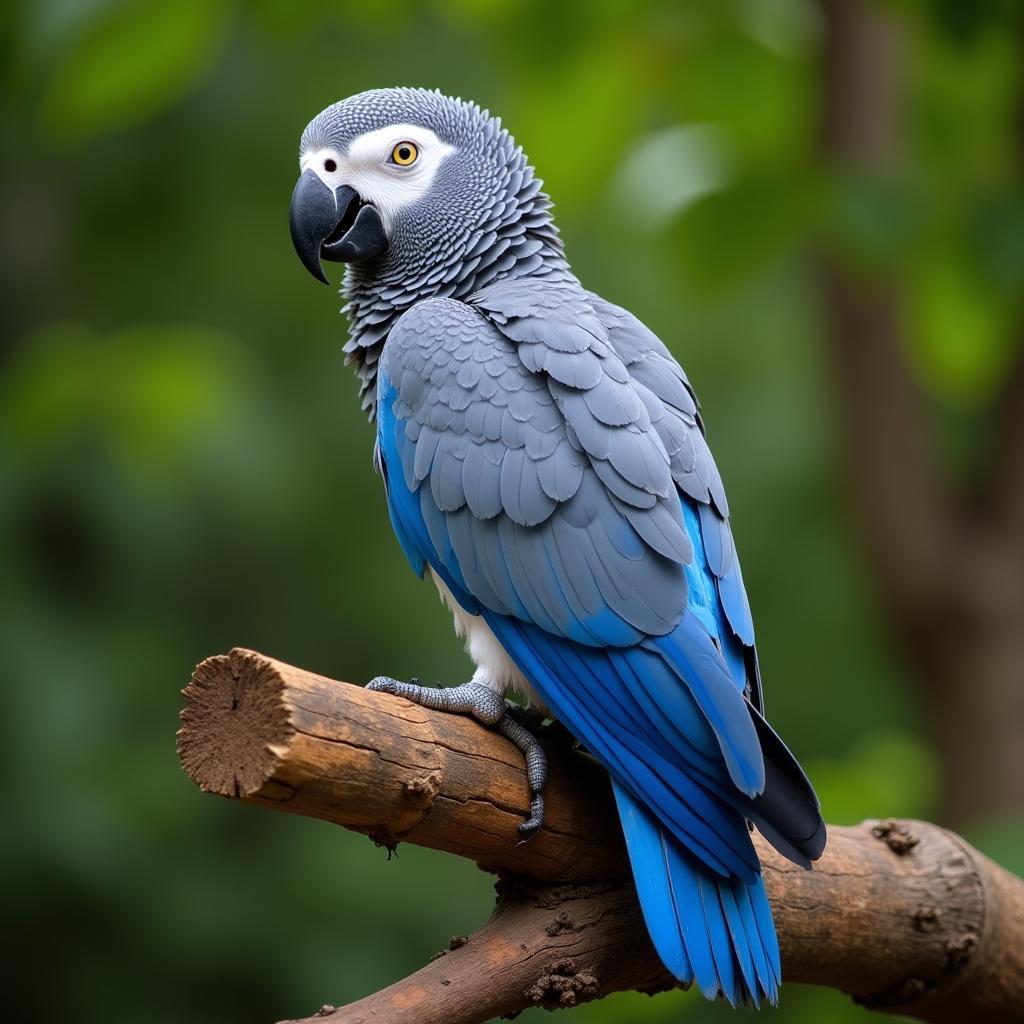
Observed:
{"x":545,"y":464}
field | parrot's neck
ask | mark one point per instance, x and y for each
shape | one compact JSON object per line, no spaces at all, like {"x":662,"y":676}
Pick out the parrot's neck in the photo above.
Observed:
{"x":524,"y":244}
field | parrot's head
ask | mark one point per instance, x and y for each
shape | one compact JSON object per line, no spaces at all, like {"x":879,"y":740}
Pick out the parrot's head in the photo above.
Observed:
{"x":406,"y":185}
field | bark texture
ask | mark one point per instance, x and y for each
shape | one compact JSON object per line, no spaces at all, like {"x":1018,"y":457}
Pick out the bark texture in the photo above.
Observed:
{"x":903,"y":915}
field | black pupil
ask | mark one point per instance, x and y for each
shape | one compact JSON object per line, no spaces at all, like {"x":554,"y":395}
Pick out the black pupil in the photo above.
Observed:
{"x":404,"y":153}
{"x":330,"y":165}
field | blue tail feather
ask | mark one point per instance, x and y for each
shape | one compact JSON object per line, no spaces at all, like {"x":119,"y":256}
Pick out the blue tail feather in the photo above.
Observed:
{"x":706,"y":929}
{"x":766,"y":928}
{"x":649,"y":872}
{"x":740,"y":940}
{"x":698,"y":931}
{"x":764,"y":965}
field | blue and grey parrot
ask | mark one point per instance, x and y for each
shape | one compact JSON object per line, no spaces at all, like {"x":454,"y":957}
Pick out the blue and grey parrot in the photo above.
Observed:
{"x":545,"y":464}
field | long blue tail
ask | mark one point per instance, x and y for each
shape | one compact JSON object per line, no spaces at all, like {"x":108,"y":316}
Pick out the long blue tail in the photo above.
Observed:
{"x":706,"y":928}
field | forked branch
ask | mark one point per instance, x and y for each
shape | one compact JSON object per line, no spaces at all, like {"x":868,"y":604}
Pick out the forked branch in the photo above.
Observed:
{"x":904,"y":916}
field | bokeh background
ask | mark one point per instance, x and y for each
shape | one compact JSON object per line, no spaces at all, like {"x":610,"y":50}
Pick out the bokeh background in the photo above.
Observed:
{"x":818,"y":207}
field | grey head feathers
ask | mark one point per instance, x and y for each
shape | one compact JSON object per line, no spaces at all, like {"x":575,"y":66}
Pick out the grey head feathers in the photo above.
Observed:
{"x":484,"y":218}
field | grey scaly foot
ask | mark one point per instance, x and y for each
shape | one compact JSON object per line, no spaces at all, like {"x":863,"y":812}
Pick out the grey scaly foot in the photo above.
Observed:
{"x":490,"y":709}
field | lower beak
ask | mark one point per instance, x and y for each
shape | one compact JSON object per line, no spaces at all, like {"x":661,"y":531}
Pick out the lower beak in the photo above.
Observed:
{"x":332,"y":224}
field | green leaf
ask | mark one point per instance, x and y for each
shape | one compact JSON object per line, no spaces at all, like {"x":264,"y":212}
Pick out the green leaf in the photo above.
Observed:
{"x":961,"y":340}
{"x":131,"y":64}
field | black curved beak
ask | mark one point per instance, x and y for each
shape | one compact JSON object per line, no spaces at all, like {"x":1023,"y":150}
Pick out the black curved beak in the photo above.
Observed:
{"x":332,"y":224}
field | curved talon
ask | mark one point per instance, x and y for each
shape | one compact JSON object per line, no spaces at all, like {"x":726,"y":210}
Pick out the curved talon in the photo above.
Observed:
{"x":529,"y":828}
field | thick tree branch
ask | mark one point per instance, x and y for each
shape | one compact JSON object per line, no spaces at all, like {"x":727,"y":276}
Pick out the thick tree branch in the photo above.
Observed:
{"x":903,"y":915}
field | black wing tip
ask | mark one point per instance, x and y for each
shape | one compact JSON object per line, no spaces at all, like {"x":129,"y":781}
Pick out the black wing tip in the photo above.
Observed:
{"x":802,"y":850}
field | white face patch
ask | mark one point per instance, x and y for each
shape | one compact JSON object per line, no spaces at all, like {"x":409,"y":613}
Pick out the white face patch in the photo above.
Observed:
{"x":368,"y":167}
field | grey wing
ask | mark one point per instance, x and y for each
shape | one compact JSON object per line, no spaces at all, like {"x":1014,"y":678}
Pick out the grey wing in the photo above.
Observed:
{"x":675,"y":413}
{"x":505,"y":470}
{"x":559,"y":336}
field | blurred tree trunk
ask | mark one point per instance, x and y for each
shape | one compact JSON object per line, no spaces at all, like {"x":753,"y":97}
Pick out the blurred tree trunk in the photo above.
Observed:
{"x":949,"y":560}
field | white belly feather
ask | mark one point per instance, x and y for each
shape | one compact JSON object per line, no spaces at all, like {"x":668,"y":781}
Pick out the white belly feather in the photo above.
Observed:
{"x":494,"y":668}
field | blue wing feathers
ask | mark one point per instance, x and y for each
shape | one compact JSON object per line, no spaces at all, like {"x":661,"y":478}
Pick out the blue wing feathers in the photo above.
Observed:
{"x":699,"y":666}
{"x":410,"y":549}
{"x":547,"y":461}
{"x":566,"y":678}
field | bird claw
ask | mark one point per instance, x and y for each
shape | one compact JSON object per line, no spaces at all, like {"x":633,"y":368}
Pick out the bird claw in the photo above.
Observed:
{"x":529,"y":828}
{"x":490,"y":709}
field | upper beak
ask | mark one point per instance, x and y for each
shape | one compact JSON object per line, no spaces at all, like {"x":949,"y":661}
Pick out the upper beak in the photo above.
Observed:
{"x":332,"y":224}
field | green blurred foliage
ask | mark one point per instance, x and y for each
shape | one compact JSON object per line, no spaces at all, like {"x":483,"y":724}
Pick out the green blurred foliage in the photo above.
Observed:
{"x":129,"y":64}
{"x":185,"y":466}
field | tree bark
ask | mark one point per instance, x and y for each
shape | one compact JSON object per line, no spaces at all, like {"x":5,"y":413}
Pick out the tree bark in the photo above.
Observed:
{"x":905,"y":916}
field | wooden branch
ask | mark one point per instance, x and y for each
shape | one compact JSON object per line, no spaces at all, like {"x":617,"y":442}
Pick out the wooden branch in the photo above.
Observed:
{"x":905,"y":916}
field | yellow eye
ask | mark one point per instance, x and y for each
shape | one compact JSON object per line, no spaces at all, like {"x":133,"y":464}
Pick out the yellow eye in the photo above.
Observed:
{"x":404,"y":154}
